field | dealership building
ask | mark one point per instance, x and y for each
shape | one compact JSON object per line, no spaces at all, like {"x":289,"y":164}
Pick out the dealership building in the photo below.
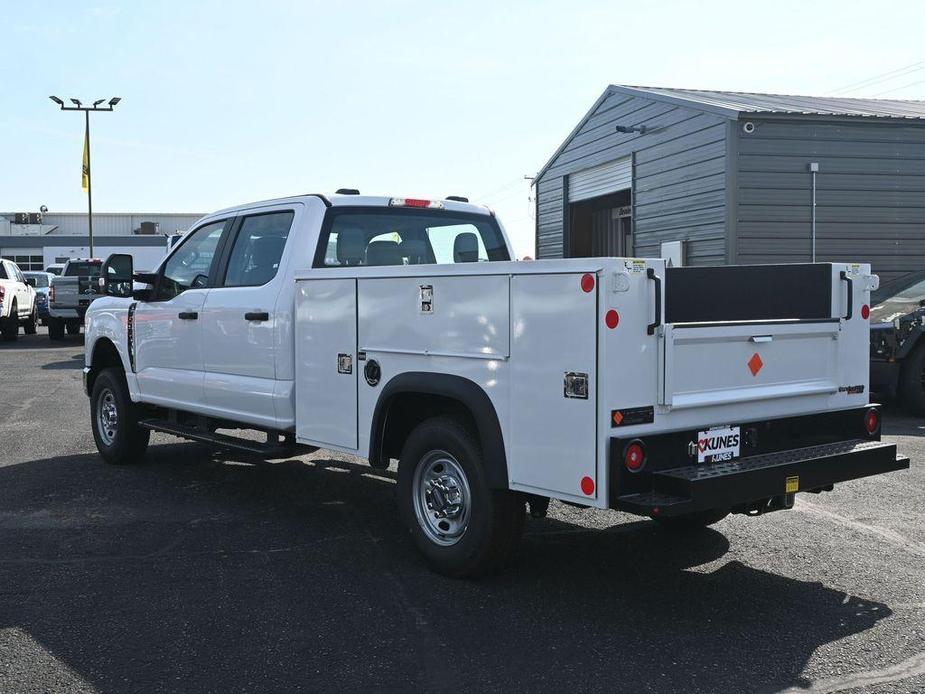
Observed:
{"x":34,"y":240}
{"x":708,"y":177}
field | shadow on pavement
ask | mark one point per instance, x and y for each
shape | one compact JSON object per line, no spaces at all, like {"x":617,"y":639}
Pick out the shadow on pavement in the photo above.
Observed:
{"x":189,"y":573}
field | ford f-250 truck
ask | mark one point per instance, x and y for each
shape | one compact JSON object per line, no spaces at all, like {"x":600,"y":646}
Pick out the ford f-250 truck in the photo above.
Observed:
{"x":70,"y":294}
{"x":396,"y":328}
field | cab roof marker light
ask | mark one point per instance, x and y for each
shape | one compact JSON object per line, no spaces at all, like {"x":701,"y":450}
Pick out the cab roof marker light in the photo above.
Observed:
{"x":416,"y":202}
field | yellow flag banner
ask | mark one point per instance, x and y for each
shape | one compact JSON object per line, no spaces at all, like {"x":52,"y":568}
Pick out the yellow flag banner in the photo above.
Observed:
{"x":85,"y":169}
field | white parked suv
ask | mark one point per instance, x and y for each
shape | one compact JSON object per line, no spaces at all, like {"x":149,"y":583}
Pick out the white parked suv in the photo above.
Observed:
{"x":17,"y":302}
{"x":400,"y":329}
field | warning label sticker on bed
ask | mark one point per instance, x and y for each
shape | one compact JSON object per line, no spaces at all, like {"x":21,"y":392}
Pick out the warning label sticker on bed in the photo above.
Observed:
{"x":715,"y":445}
{"x":635,"y":264}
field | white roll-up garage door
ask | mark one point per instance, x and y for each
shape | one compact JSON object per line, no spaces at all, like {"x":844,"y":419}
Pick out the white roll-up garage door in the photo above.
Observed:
{"x":602,"y":179}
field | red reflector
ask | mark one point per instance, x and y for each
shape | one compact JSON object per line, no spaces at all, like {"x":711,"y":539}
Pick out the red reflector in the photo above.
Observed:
{"x":755,"y":364}
{"x":865,"y":311}
{"x":587,"y":486}
{"x":872,"y":421}
{"x":634,"y":457}
{"x":612,"y":319}
{"x":587,"y":282}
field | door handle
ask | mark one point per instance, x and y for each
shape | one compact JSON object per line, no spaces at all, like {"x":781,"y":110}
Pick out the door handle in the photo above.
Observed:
{"x":187,"y":315}
{"x":847,"y":278}
{"x":256,"y":315}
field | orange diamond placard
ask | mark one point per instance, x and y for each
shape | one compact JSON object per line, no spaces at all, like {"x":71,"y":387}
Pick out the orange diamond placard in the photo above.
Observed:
{"x":755,"y":364}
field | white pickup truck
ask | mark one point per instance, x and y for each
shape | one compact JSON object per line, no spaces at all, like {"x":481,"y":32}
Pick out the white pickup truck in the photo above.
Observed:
{"x":17,"y":302}
{"x":396,"y":328}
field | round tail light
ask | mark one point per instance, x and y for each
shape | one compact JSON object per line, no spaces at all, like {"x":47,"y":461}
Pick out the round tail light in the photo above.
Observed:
{"x":872,"y":421}
{"x":634,"y":456}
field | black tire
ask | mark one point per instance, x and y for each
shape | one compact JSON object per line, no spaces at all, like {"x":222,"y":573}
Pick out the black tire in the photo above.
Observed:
{"x":912,"y":381}
{"x":9,"y":326}
{"x":55,"y":329}
{"x":73,"y":328}
{"x":126,"y":442}
{"x":495,"y":517}
{"x":30,"y":325}
{"x":692,"y":522}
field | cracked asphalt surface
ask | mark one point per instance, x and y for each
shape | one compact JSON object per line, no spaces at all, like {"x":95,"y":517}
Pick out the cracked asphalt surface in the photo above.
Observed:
{"x":194,"y":573}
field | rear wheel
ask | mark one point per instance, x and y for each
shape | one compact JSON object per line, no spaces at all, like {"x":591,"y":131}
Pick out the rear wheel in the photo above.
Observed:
{"x":30,"y":326}
{"x":55,"y":329}
{"x":912,"y":380}
{"x":463,"y":527}
{"x":9,"y":326}
{"x":73,"y":328}
{"x":692,"y":521}
{"x":114,"y":420}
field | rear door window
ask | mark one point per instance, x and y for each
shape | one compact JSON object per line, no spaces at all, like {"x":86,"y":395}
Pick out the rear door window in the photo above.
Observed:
{"x":258,"y":249}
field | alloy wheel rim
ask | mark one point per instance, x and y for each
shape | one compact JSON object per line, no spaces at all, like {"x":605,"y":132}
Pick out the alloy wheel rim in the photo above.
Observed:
{"x":442,"y":499}
{"x":107,"y":416}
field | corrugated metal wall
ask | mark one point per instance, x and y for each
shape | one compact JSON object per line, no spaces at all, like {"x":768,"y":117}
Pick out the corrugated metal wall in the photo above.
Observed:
{"x":679,"y":176}
{"x":108,"y":224}
{"x":870,"y":193}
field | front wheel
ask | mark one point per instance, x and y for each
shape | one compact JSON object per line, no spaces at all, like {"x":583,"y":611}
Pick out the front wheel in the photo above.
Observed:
{"x":461,"y":525}
{"x":114,"y":420}
{"x":690,"y":522}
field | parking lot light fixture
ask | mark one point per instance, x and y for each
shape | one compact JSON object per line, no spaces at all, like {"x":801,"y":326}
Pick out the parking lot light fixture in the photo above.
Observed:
{"x":78,"y":106}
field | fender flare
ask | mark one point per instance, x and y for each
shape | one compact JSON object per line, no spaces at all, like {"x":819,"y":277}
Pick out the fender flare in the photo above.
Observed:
{"x":468,"y":393}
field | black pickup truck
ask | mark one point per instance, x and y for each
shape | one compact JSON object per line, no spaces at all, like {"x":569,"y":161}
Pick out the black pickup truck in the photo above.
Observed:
{"x":897,"y":348}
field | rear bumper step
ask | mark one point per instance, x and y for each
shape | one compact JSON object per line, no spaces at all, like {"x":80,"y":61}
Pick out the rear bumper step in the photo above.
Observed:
{"x":723,"y":485}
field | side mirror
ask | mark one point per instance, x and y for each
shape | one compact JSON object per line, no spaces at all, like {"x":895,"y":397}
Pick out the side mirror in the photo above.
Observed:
{"x":31,"y":282}
{"x":116,"y":275}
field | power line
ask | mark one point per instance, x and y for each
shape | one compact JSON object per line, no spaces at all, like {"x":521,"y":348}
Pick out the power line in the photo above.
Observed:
{"x":890,"y":91}
{"x":876,"y":79}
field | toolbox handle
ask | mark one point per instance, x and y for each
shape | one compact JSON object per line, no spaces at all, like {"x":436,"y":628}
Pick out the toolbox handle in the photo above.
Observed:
{"x":650,"y":273}
{"x":846,"y":278}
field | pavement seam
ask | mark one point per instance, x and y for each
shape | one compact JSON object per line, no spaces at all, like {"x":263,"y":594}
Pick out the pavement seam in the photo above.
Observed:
{"x":891,"y":536}
{"x":908,"y":668}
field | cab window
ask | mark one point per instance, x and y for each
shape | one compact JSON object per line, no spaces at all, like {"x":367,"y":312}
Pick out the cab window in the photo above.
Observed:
{"x":258,"y":249}
{"x":376,"y":237}
{"x":188,"y":267}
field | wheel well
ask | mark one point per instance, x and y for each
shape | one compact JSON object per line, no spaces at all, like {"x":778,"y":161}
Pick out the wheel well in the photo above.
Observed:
{"x":105,"y":355}
{"x":407,"y":410}
{"x":412,"y":397}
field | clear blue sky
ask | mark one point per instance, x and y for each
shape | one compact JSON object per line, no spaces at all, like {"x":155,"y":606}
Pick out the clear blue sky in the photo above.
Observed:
{"x":228,"y":102}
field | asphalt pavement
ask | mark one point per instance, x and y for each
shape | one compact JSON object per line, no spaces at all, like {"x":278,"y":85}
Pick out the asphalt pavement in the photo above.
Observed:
{"x":192,"y":572}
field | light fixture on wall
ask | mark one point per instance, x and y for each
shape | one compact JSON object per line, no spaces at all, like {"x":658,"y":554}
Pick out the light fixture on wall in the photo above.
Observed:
{"x":641,"y":129}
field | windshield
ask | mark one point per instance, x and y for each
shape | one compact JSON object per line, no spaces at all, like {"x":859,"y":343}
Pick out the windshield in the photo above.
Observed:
{"x":82,"y":268}
{"x":41,"y":279}
{"x":384,"y":236}
{"x":898,"y":298}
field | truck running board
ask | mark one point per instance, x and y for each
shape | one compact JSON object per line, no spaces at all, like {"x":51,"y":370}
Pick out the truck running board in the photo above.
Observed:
{"x":264,"y":450}
{"x":744,"y":482}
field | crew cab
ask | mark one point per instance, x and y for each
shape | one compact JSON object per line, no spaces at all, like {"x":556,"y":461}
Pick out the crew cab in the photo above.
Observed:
{"x":70,"y":294}
{"x":17,"y":302}
{"x":400,"y":329}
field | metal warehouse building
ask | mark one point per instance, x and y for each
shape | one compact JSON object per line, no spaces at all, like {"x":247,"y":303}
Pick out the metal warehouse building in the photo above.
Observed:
{"x":708,"y":177}
{"x":34,"y":240}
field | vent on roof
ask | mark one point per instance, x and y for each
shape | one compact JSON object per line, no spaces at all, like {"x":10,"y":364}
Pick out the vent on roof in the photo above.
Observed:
{"x":457,"y":198}
{"x":347,"y":191}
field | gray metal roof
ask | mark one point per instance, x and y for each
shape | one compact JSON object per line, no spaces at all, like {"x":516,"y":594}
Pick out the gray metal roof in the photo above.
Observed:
{"x":734,"y":103}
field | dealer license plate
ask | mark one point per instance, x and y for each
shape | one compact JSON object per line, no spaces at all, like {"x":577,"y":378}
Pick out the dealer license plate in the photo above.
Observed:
{"x":715,"y":445}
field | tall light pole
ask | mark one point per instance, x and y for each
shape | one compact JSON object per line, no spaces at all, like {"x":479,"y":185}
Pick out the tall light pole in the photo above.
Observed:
{"x":86,"y":109}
